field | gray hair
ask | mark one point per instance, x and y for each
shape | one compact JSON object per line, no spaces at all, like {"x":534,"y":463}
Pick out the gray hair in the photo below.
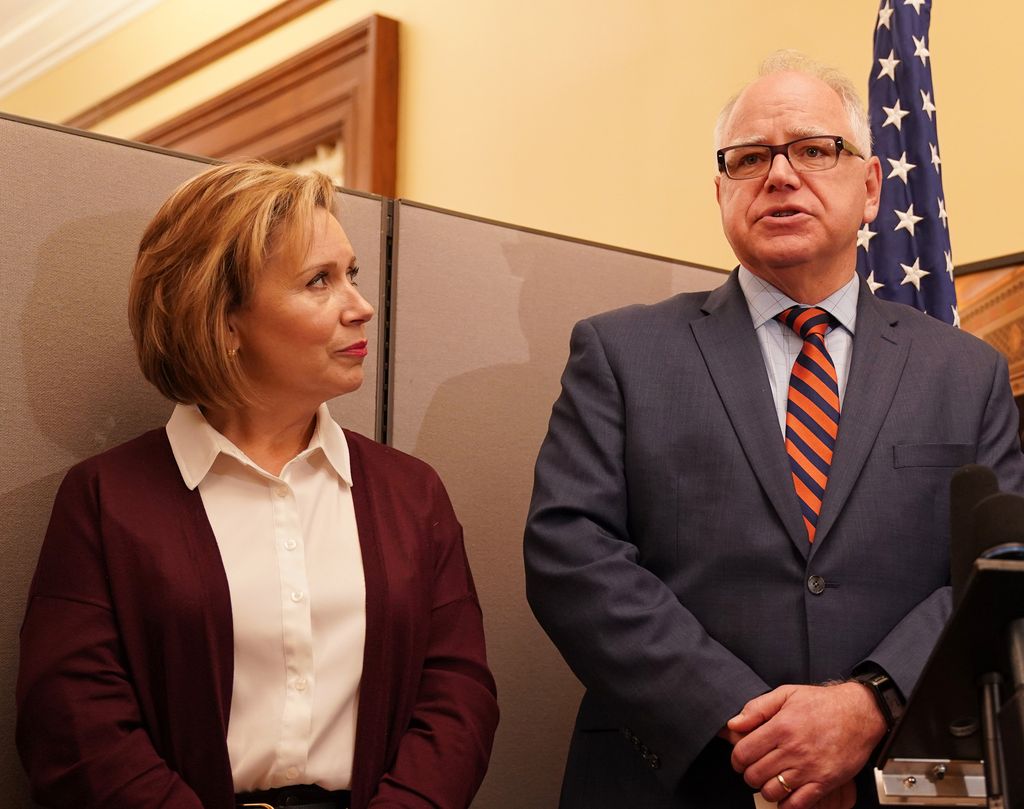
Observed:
{"x":790,"y":60}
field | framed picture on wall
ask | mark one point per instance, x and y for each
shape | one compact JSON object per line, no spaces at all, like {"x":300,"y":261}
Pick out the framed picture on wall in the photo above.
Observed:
{"x":990,"y":299}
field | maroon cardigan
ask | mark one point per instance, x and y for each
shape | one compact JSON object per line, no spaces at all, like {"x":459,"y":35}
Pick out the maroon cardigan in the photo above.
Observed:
{"x":124,"y":687}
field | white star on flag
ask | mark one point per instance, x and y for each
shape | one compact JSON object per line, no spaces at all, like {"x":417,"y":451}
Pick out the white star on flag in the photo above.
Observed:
{"x":920,"y":49}
{"x":926,"y":104}
{"x":883,"y":17}
{"x":913,"y":274}
{"x":888,"y":66}
{"x":894,"y":116}
{"x":956,"y":317}
{"x":907,"y":219}
{"x":864,"y":236}
{"x":902,"y":113}
{"x":900,"y":168}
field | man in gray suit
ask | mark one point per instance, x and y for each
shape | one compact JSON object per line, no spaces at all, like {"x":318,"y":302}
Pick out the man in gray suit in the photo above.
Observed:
{"x":738,"y":537}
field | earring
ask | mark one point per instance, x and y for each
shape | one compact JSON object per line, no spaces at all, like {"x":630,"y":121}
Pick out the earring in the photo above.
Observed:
{"x":232,"y":353}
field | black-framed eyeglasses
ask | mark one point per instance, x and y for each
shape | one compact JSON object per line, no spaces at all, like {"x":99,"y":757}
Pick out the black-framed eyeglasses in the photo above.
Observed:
{"x":816,"y":153}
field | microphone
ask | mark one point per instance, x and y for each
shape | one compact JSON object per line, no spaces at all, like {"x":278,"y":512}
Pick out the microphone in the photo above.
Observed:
{"x":969,"y":486}
{"x":999,"y":527}
{"x":999,"y":534}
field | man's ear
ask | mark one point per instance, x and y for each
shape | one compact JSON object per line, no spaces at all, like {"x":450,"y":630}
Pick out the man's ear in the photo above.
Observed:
{"x":718,"y":188}
{"x":873,"y":186}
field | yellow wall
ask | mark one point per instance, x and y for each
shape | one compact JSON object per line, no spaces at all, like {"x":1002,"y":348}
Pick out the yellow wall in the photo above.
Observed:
{"x":590,"y":118}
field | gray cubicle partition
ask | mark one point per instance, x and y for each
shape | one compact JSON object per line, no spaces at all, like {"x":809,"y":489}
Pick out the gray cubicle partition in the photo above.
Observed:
{"x":480,"y":317}
{"x":481,"y":320}
{"x":72,"y":209}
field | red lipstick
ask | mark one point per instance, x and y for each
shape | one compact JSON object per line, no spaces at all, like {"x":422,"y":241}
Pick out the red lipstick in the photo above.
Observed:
{"x":355,"y":350}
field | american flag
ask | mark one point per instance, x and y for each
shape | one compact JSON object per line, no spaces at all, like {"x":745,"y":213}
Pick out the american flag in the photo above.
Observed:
{"x":904,"y":254}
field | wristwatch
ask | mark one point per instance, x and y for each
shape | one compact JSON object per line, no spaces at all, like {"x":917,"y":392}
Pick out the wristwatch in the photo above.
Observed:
{"x":886,"y":694}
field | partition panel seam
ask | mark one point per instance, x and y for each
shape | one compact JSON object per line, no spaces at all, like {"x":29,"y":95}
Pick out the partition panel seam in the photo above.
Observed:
{"x":387,"y":306}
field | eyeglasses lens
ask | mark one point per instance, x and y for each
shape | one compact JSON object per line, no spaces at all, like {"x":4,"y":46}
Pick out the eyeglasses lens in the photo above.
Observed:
{"x":806,"y":154}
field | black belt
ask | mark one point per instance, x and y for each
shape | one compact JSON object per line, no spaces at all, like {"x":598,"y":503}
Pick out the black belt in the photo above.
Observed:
{"x":297,"y":797}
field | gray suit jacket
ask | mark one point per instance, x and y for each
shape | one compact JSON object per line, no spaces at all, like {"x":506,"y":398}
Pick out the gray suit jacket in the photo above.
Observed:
{"x":665,"y":552}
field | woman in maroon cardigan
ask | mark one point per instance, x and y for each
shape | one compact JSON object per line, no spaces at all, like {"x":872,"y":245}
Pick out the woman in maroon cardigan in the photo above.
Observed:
{"x":251,"y":606}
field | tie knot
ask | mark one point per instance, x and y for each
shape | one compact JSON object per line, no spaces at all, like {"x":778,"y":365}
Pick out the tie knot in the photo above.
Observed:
{"x":807,"y":321}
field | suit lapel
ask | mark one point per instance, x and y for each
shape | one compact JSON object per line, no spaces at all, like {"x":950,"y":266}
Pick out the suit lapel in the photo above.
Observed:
{"x":879,"y":355}
{"x":729,"y":345}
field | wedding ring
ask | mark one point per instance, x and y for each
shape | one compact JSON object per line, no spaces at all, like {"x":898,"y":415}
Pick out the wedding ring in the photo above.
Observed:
{"x":782,"y":781}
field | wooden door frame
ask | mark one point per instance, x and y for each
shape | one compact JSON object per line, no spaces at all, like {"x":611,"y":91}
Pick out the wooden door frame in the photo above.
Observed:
{"x":342,"y":89}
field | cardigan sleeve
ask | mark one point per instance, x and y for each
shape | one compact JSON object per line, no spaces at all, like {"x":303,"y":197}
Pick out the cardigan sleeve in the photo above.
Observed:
{"x":79,"y":731}
{"x":442,"y":755}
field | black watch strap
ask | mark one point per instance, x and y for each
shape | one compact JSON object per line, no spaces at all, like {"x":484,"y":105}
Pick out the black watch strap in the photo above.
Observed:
{"x":886,"y":694}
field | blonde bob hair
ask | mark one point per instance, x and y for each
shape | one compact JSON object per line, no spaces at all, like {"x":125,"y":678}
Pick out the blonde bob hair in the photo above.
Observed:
{"x":199,"y":260}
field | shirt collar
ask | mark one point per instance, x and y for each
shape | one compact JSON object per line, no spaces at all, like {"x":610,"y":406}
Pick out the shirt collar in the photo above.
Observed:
{"x":765,"y":301}
{"x":196,"y":444}
{"x":331,"y":438}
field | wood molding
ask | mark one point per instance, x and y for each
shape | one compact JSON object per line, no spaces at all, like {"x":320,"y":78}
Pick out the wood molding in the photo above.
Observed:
{"x":200,"y":58}
{"x":990,"y":264}
{"x":344,"y":88}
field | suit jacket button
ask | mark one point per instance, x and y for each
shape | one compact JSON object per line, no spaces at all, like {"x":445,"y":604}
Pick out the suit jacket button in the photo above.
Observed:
{"x":816,"y":584}
{"x":653,"y":761}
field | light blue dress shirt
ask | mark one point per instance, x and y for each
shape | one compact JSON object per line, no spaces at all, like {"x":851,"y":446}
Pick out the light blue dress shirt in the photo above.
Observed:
{"x":780,"y":345}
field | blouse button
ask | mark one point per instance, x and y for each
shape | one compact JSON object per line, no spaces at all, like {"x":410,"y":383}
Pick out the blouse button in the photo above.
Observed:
{"x":297,"y":596}
{"x":290,"y":544}
{"x":292,"y":773}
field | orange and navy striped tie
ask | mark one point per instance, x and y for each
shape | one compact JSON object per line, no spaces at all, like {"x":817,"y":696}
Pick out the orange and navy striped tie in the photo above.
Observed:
{"x":812,"y":410}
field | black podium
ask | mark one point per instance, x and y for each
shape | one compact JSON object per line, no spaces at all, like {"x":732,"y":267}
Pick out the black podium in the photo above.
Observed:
{"x":960,"y":741}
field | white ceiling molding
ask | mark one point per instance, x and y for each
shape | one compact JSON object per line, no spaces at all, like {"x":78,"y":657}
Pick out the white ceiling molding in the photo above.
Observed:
{"x":38,"y":35}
